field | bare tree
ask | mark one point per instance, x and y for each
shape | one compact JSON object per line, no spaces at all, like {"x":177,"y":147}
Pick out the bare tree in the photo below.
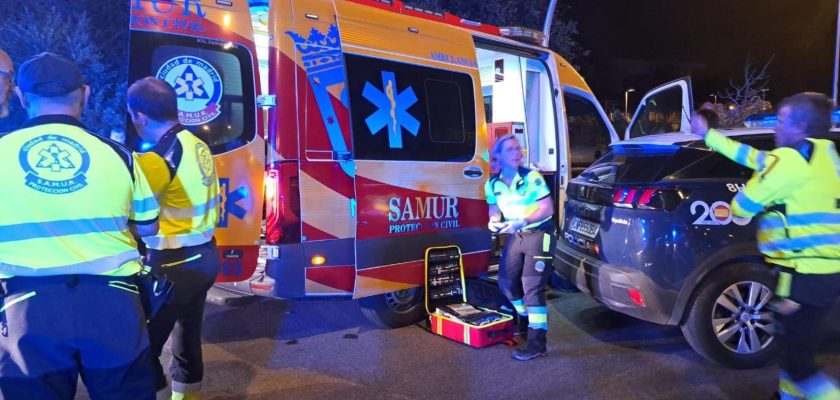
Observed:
{"x":748,"y":91}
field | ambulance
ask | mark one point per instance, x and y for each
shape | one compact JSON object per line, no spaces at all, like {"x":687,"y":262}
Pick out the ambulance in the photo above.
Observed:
{"x":369,"y":141}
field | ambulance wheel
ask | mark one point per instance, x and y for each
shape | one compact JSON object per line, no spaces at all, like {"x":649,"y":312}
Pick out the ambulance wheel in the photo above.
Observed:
{"x":729,"y":322}
{"x":394,"y":309}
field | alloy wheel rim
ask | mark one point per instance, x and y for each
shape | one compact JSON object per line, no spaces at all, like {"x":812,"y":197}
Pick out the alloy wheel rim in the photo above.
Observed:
{"x":740,"y":318}
{"x":401,"y":300}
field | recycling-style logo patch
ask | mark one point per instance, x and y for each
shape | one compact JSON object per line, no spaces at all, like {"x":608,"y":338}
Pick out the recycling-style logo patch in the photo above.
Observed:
{"x":198,"y":87}
{"x":54,"y":164}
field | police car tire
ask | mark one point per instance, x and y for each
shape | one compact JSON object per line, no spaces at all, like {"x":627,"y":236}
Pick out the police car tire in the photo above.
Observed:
{"x":557,"y":282}
{"x":697,"y":326}
{"x":377,"y":310}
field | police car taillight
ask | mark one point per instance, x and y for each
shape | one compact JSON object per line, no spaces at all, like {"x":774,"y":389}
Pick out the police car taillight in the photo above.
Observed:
{"x":649,"y":198}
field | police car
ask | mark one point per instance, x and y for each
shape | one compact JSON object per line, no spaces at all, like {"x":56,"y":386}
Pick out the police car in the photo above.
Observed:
{"x":647,"y":231}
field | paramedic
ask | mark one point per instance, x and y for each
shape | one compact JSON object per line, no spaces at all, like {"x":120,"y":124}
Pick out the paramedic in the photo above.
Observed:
{"x":796,"y":188}
{"x":521,"y":196}
{"x":182,"y":175}
{"x":70,"y":202}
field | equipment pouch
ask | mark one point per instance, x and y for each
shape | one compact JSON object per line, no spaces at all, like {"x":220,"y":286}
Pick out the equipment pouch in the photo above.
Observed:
{"x":155,"y":292}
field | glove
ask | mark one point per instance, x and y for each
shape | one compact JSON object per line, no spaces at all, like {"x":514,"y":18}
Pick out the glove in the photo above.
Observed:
{"x":495,"y":226}
{"x":513,"y":226}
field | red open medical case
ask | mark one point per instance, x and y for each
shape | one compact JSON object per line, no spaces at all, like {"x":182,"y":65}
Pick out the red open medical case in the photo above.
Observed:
{"x":445,"y":286}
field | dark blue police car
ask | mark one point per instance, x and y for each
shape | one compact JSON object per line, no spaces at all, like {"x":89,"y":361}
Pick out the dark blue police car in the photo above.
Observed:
{"x":647,"y":231}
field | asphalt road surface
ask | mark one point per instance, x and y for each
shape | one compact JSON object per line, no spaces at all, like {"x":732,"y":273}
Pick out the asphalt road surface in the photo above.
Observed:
{"x":270,"y":349}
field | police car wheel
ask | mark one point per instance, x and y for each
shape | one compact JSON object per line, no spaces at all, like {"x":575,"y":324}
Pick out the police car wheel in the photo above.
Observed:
{"x":728,"y":322}
{"x":559,"y":283}
{"x":394,"y":309}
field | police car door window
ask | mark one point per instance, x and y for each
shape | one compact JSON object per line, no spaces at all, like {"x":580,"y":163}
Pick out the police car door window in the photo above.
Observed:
{"x":661,"y":113}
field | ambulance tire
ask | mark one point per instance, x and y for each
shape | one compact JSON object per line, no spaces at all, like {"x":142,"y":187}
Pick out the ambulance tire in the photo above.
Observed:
{"x":714,"y":300}
{"x":395,"y":309}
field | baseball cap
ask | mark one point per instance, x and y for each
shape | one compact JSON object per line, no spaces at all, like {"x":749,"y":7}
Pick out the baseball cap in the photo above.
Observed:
{"x":49,"y":75}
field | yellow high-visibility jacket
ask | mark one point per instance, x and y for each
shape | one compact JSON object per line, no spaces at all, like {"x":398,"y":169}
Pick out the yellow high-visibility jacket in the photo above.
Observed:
{"x":799,"y":198}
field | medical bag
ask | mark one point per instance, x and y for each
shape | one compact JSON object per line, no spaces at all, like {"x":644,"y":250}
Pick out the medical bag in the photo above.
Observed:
{"x":446,"y":302}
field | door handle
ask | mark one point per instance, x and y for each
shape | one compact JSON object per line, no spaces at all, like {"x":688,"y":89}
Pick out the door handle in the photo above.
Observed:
{"x":473,"y":172}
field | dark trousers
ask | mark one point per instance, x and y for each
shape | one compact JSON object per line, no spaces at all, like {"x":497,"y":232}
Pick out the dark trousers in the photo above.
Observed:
{"x":525,"y":268}
{"x":802,"y":331}
{"x":55,"y":328}
{"x":192,"y":271}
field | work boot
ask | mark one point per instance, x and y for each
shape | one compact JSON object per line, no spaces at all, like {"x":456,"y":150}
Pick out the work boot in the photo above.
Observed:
{"x":533,"y":348}
{"x":521,"y":328}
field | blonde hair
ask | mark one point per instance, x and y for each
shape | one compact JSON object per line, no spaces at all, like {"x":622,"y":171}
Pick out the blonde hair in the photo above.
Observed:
{"x":496,"y":151}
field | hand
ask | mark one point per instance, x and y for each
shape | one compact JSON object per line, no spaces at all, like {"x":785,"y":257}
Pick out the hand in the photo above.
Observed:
{"x":699,"y":125}
{"x":513,"y":226}
{"x":495,"y":226}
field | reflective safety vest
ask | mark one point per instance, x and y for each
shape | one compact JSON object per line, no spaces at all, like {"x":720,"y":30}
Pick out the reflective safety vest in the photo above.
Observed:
{"x":518,"y":200}
{"x":182,"y":174}
{"x":798,"y":194}
{"x":67,"y":197}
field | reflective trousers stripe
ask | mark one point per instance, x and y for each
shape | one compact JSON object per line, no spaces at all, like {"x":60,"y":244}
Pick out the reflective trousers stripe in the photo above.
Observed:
{"x":538,"y":318}
{"x":519,"y":305}
{"x":17,"y":300}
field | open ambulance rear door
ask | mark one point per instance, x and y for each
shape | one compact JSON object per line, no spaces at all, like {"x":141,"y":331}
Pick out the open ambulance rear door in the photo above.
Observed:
{"x":205,"y":50}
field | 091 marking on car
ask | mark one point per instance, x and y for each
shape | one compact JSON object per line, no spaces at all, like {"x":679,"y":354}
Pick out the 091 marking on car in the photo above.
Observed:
{"x":718,"y":213}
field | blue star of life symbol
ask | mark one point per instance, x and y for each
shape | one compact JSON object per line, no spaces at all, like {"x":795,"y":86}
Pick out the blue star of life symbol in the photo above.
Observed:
{"x":229,"y":203}
{"x":189,"y":86}
{"x":393,"y":109}
{"x":55,"y":158}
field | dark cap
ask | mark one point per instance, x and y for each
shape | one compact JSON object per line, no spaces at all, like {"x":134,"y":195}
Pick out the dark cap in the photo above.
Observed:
{"x":49,"y":75}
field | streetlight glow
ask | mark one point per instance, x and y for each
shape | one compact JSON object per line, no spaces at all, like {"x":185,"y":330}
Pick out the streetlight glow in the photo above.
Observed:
{"x":626,"y":92}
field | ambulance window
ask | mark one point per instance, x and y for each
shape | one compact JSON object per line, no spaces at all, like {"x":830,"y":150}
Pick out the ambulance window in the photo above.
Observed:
{"x":589,"y":137}
{"x":446,"y":117}
{"x":214,"y":83}
{"x":409,"y":112}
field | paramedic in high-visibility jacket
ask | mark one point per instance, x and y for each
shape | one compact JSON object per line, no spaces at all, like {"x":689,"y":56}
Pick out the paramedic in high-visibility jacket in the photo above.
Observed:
{"x":182,"y":175}
{"x":796,"y":189}
{"x":521,"y":196}
{"x":70,"y":201}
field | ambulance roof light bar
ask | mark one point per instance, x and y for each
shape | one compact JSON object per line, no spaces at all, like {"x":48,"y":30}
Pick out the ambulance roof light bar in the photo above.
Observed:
{"x":522,"y":34}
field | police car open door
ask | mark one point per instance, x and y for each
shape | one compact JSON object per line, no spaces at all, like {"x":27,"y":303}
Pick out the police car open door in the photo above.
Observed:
{"x":206,"y":51}
{"x":664,"y":109}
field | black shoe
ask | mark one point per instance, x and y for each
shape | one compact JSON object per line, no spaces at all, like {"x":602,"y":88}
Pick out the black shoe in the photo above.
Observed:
{"x":533,"y":348}
{"x":521,"y":328}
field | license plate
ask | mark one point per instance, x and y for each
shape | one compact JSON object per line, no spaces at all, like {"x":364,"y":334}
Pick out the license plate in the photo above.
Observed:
{"x":584,"y":228}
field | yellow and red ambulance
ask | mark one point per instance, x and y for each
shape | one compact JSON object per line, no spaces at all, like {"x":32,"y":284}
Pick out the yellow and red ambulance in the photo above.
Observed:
{"x":371,"y":142}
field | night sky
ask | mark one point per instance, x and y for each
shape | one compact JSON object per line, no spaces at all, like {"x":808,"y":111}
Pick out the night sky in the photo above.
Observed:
{"x":708,"y":39}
